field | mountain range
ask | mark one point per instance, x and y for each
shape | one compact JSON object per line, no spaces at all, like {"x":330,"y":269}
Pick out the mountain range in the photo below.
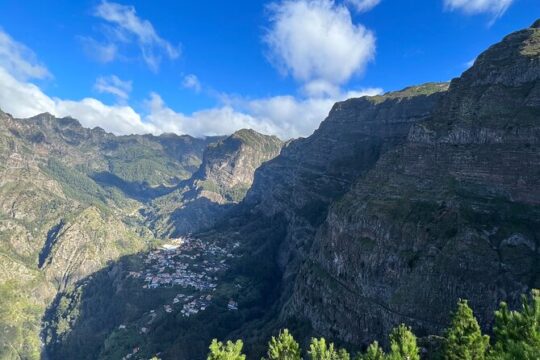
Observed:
{"x":397,"y":206}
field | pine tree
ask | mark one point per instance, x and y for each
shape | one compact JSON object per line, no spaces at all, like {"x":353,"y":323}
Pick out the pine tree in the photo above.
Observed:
{"x":517,"y":333}
{"x":284,"y":347}
{"x":464,"y":339}
{"x":403,"y":344}
{"x":373,"y":352}
{"x":343,"y":355}
{"x":319,"y":350}
{"x":229,"y":351}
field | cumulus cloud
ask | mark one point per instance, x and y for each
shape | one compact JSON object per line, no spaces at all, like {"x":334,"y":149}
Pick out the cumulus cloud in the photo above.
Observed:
{"x":284,"y":116}
{"x":363,"y":5}
{"x":113,"y":85}
{"x":19,"y":60}
{"x":124,"y":28}
{"x":192,"y":82}
{"x":494,"y":7}
{"x":23,"y":99}
{"x":316,"y":40}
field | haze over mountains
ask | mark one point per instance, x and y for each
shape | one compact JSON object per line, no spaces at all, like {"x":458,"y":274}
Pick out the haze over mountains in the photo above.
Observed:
{"x":398,"y":205}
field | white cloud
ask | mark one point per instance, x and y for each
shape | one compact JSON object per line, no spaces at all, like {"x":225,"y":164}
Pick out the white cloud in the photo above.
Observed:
{"x":93,"y":113}
{"x":192,"y":82}
{"x":125,"y":27}
{"x":19,"y":60}
{"x":494,"y":7}
{"x":113,"y":85}
{"x":215,"y":121}
{"x":284,"y":116}
{"x":316,"y":40}
{"x":23,"y":99}
{"x":105,"y":53}
{"x":470,"y":63}
{"x":363,"y":5}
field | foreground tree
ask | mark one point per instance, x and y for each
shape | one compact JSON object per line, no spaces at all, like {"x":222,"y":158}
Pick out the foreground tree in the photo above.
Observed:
{"x":319,"y":350}
{"x":373,"y":352}
{"x":284,"y":347}
{"x":464,"y":339}
{"x":229,"y":351}
{"x":403,"y":344}
{"x":517,"y":333}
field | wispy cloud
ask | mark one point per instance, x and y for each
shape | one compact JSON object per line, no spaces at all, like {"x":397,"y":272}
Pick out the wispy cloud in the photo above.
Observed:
{"x":317,"y":41}
{"x":123,"y":27}
{"x":19,"y":60}
{"x":470,"y":63}
{"x":494,"y":7}
{"x":363,"y":5}
{"x":113,"y":85}
{"x":192,"y":82}
{"x":101,"y":52}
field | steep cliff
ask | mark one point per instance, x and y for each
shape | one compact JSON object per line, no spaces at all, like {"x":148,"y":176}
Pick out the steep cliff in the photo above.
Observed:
{"x":311,"y":173}
{"x":393,"y":209}
{"x":222,"y":180}
{"x":61,"y":219}
{"x":453,"y":213}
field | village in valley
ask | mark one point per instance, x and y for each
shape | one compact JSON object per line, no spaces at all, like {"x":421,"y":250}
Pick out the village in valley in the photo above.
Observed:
{"x":191,"y":265}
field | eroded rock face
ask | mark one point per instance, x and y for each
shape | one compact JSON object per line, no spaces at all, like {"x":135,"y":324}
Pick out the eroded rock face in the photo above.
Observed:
{"x":225,"y":175}
{"x":311,"y":173}
{"x":452,"y":213}
{"x":58,"y":225}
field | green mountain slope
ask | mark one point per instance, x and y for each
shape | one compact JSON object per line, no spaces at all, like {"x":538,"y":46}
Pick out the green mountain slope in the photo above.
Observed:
{"x":70,"y":203}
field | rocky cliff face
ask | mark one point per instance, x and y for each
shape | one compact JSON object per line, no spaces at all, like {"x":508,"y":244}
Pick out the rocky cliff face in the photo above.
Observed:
{"x":452,"y":213}
{"x":311,"y":173}
{"x":71,"y":201}
{"x":393,"y":209}
{"x":67,"y":207}
{"x":224,"y":177}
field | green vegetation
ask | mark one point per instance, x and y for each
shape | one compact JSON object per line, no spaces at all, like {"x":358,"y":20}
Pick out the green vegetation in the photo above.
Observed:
{"x":517,"y":336}
{"x":403,"y":344}
{"x":320,"y":350}
{"x":517,"y":333}
{"x":411,"y":91}
{"x":373,"y":352}
{"x":228,"y":351}
{"x":283,"y":347}
{"x":464,"y":339}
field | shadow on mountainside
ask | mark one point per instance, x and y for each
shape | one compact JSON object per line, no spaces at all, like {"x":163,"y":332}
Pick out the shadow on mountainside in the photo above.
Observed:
{"x":109,"y":314}
{"x":141,"y":191}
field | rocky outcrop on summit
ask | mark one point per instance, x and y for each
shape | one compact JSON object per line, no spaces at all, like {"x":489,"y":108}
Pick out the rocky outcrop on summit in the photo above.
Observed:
{"x":224,"y":177}
{"x":453,"y":213}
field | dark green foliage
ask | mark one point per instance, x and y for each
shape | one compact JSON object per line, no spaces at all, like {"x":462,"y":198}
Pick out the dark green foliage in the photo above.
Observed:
{"x":403,"y":344}
{"x":517,"y":333}
{"x":320,"y":350}
{"x":373,"y":352}
{"x":284,"y":347}
{"x":464,"y":339}
{"x":228,"y":351}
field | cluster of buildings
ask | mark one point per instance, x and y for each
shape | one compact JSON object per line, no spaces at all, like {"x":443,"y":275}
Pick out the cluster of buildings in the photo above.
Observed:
{"x":193,"y":305}
{"x":184,"y":262}
{"x":188,"y":263}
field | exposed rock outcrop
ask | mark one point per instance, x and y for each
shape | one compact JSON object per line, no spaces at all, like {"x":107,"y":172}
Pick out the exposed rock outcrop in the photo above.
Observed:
{"x":453,"y":213}
{"x":224,"y":177}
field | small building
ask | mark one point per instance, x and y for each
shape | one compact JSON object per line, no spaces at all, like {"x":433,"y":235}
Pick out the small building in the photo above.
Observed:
{"x":232,"y":305}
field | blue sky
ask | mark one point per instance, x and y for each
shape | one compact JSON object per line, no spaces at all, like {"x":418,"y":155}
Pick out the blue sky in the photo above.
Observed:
{"x":212,"y":67}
